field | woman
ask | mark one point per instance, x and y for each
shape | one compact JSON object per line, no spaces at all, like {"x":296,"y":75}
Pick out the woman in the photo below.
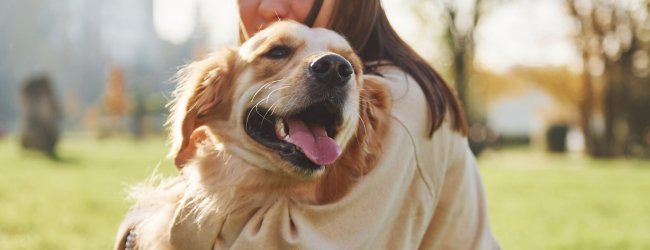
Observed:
{"x":425,"y":191}
{"x":450,"y":211}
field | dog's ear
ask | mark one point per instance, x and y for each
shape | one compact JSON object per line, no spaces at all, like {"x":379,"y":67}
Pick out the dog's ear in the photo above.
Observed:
{"x":202,"y":87}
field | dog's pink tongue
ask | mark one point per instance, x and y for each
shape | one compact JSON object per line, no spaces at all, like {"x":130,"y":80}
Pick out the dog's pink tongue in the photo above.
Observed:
{"x":314,"y":142}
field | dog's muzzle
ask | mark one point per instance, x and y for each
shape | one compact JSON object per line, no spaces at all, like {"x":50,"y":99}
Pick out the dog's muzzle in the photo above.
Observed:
{"x":305,"y":136}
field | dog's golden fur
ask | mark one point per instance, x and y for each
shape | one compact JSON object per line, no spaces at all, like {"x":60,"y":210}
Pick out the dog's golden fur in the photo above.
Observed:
{"x":223,"y":170}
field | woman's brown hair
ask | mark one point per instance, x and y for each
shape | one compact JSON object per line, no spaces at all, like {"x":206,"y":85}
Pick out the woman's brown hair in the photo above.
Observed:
{"x":366,"y":27}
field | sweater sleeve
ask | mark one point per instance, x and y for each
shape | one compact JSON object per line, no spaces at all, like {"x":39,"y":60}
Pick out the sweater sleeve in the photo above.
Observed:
{"x":447,"y":165}
{"x":460,"y":219}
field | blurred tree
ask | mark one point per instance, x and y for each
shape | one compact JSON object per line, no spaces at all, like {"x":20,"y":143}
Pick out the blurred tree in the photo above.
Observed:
{"x":461,"y":20}
{"x":614,"y":38}
{"x":115,"y":97}
{"x":41,"y":116}
{"x":115,"y":100}
{"x":459,"y":34}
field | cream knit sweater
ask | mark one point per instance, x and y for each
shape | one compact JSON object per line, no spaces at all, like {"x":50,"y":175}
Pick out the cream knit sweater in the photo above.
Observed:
{"x":424,"y":194}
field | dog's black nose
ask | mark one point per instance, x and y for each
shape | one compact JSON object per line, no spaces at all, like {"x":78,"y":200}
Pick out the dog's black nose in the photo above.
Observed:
{"x":331,"y":69}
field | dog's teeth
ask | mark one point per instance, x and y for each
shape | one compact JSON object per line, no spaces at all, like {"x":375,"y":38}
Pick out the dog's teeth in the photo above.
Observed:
{"x":287,"y":138}
{"x":279,"y":128}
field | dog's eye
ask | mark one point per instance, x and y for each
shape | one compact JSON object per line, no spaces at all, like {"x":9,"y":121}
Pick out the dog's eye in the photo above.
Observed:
{"x":278,"y":52}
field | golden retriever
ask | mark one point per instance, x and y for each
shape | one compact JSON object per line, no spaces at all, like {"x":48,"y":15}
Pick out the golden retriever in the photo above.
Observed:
{"x":287,"y":115}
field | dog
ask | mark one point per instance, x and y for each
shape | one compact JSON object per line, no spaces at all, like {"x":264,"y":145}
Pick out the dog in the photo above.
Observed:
{"x":287,"y":115}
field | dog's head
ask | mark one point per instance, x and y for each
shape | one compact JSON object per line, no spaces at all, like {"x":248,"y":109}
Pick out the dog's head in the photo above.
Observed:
{"x":286,"y":101}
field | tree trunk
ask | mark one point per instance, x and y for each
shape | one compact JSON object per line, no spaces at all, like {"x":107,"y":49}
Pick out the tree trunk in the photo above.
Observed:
{"x":586,"y":107}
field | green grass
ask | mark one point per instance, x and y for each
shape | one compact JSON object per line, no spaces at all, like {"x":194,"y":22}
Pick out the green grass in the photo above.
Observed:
{"x":542,"y":201}
{"x":76,"y":202}
{"x":536,"y":200}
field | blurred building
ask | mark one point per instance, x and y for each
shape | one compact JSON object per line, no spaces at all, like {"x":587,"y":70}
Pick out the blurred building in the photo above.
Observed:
{"x":520,"y":116}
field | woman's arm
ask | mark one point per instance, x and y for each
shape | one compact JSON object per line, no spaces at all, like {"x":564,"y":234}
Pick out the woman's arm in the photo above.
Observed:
{"x":447,"y":165}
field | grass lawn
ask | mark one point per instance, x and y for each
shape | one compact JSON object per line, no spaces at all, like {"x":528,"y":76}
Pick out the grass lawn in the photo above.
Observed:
{"x":536,"y":200}
{"x":543,"y":201}
{"x":74,"y":203}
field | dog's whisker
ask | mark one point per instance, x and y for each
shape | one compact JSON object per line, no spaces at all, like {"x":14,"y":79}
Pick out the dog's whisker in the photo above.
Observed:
{"x":273,"y":91}
{"x":255,"y":107}
{"x":276,"y":103}
{"x":279,"y":87}
{"x":292,"y":100}
{"x":258,"y":113}
{"x":269,"y":84}
{"x":272,"y":108}
{"x":248,"y":116}
{"x":256,"y":92}
{"x":264,"y":116}
{"x":265,"y":85}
